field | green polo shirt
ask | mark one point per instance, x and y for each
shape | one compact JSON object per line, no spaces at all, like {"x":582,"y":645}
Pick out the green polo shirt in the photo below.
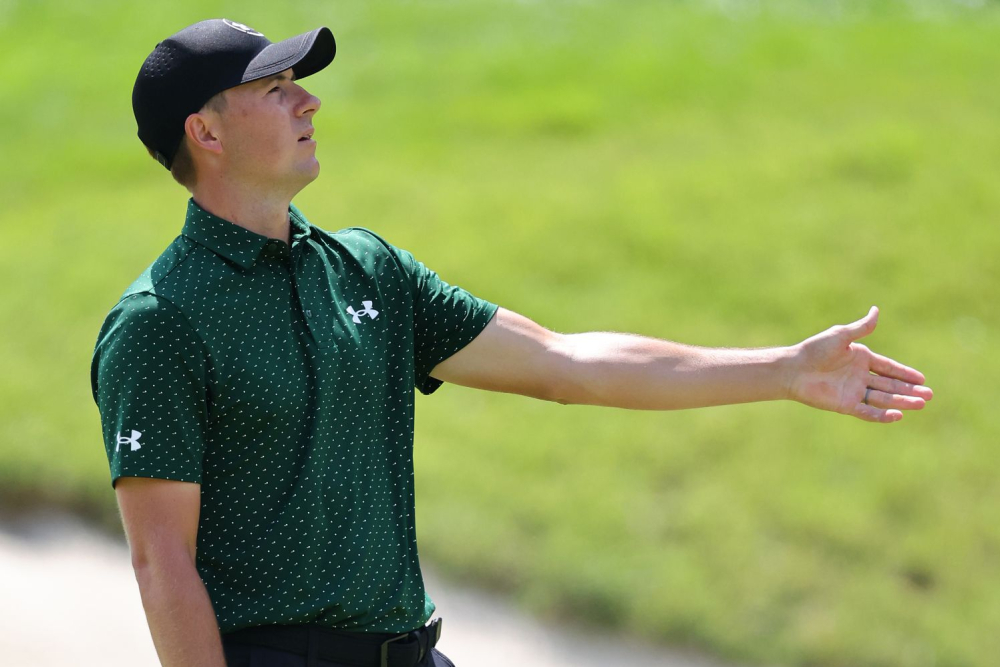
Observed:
{"x":281,"y":378}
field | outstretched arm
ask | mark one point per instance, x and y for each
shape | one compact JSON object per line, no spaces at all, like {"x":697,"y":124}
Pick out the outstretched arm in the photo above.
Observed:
{"x":830,"y":370}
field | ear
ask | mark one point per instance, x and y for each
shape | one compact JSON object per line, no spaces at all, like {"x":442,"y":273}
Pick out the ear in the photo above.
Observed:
{"x":203,"y":132}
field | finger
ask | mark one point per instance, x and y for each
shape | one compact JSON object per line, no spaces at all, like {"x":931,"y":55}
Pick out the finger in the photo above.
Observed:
{"x":891,"y":386}
{"x":881,"y":399}
{"x":864,"y":326}
{"x":872,"y":414}
{"x":894,"y":369}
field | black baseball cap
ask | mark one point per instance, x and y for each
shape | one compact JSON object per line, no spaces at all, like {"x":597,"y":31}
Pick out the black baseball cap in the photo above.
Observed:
{"x":186,"y":69}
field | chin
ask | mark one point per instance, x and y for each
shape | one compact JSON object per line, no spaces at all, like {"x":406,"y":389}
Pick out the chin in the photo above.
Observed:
{"x":305,"y":177}
{"x":313,"y":174}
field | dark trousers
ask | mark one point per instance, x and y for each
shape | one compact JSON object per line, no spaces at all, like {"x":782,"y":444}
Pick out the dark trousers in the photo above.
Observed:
{"x":239,"y":654}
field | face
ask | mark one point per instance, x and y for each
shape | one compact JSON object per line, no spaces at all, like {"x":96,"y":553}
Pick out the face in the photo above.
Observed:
{"x":266,"y":133}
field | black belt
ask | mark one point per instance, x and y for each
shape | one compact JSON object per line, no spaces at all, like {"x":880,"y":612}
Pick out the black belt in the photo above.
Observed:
{"x":362,"y":649}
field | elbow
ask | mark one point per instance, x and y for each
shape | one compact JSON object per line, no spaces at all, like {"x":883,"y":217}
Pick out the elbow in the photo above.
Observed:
{"x":558,"y":398}
{"x":563,"y":374}
{"x":561,"y":390}
{"x":151,"y":564}
{"x":573,"y":394}
{"x":145,"y":575}
{"x":549,"y":391}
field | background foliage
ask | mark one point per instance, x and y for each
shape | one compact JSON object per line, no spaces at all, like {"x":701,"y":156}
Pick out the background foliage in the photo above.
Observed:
{"x":718,"y":173}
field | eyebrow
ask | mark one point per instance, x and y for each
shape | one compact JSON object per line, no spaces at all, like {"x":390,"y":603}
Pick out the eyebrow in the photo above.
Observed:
{"x":276,"y":77}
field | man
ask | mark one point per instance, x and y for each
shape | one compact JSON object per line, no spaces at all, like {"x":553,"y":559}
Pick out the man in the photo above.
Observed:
{"x":256,"y":382}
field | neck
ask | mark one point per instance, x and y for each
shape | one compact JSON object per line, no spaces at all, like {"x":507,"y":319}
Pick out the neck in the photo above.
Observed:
{"x":265,"y":213}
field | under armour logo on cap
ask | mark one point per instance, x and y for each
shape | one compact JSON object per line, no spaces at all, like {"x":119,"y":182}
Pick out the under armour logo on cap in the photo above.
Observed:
{"x":242,"y":28}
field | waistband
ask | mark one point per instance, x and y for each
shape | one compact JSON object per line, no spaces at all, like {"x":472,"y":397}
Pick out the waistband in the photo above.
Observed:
{"x":359,"y":649}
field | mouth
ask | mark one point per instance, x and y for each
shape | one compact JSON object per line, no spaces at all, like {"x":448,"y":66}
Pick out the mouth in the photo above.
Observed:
{"x":307,"y":135}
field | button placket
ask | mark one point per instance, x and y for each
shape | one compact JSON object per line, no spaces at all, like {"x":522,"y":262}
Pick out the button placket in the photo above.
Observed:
{"x":318,"y":316}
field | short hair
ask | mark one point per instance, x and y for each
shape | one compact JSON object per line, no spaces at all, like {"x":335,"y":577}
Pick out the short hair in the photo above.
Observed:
{"x":182,"y":166}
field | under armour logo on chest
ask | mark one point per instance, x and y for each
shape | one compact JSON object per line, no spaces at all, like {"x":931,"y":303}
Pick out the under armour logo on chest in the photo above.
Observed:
{"x":134,"y":441}
{"x":368,"y":310}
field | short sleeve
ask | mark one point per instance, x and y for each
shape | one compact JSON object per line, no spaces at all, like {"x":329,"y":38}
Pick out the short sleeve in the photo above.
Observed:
{"x":149,"y":377}
{"x":446,"y":318}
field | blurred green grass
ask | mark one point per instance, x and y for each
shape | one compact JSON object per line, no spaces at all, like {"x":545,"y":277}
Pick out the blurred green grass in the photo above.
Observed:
{"x":718,"y":173}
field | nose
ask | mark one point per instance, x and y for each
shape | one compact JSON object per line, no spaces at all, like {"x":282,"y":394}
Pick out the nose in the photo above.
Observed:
{"x":308,"y":104}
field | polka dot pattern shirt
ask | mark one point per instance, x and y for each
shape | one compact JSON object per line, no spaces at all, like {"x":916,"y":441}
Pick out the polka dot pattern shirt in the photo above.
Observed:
{"x":281,"y":379}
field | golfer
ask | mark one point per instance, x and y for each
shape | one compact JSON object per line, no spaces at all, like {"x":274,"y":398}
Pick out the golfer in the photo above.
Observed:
{"x":256,"y":382}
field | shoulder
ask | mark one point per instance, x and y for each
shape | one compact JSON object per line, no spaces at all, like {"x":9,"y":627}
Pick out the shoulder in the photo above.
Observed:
{"x":363,"y":238}
{"x":145,"y":324}
{"x":160,"y":298}
{"x":139,"y":308}
{"x":370,"y":248}
{"x":144,"y":330}
{"x":143,"y":305}
{"x":163,"y":267}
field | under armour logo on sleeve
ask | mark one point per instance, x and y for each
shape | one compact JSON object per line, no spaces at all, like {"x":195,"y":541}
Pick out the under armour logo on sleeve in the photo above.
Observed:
{"x":134,"y":441}
{"x":366,"y":311}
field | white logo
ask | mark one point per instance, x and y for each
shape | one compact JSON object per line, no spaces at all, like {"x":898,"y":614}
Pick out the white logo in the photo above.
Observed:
{"x":242,"y":28}
{"x":367,"y":311}
{"x":134,"y":441}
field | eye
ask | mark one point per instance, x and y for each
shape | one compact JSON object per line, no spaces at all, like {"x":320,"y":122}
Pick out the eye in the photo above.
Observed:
{"x":274,"y":89}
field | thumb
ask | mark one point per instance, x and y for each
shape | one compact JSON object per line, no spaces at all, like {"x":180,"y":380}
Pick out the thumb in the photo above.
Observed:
{"x":864,"y":326}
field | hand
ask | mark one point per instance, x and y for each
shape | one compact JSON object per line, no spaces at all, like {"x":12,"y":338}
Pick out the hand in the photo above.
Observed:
{"x":832,"y":372}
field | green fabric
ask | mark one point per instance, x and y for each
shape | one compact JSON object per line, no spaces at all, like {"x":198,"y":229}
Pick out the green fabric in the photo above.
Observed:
{"x":256,"y":370}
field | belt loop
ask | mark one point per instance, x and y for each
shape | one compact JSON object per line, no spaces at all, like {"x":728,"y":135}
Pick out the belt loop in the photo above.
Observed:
{"x":312,"y":648}
{"x":384,"y":657}
{"x":436,"y":630}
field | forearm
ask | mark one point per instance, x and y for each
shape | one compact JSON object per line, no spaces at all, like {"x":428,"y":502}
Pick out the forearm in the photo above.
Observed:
{"x":180,"y":615}
{"x":636,"y":372}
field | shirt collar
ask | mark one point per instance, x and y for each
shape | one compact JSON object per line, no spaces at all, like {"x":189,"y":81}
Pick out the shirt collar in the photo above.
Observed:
{"x":229,"y":240}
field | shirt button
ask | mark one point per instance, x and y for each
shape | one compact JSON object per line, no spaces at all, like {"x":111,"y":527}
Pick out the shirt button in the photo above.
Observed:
{"x":309,"y":313}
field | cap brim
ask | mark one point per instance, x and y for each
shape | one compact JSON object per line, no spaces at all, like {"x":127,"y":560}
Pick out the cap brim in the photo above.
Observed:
{"x":307,"y":54}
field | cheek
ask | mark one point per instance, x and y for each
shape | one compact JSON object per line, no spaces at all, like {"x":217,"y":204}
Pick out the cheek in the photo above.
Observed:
{"x":251,"y":139}
{"x":257,"y":138}
{"x":269,"y":138}
{"x":238,"y":134}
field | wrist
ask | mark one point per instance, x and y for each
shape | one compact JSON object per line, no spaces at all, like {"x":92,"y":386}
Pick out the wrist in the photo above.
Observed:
{"x":788,"y":365}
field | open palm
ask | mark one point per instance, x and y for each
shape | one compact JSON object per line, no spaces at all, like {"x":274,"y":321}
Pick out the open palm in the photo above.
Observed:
{"x":836,"y":373}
